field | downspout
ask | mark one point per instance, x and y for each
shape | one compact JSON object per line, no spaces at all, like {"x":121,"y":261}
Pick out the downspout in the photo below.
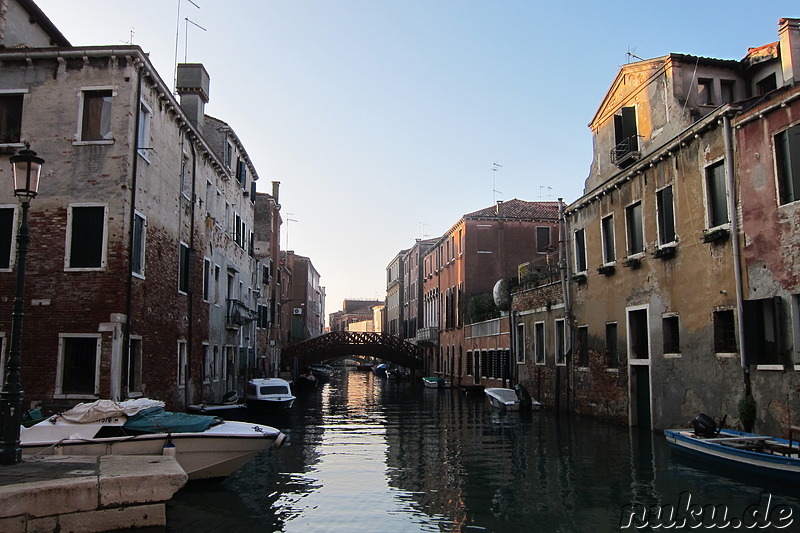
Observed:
{"x":190,"y":310}
{"x":564,"y":261}
{"x":737,"y":271}
{"x":126,"y":340}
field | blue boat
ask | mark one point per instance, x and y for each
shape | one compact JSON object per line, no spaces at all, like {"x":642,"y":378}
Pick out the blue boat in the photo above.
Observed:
{"x":760,"y":454}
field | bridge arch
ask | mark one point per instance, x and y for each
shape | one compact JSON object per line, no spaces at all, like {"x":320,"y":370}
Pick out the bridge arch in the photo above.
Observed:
{"x":344,"y":344}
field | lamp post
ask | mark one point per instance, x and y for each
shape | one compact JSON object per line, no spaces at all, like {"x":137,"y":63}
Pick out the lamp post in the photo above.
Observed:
{"x":27,"y":168}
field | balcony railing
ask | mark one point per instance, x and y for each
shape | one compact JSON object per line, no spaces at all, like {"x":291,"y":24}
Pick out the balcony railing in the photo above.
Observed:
{"x":238,"y":314}
{"x":626,"y":152}
{"x":430,"y":335}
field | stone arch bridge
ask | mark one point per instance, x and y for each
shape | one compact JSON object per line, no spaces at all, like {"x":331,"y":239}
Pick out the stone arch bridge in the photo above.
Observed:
{"x":345,"y":344}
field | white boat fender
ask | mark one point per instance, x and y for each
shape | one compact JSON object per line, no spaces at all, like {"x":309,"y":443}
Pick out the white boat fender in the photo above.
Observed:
{"x":169,"y":448}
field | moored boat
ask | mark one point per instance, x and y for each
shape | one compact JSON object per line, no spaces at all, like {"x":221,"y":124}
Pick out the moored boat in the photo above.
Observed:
{"x":205,"y":447}
{"x":269,"y":394}
{"x":511,"y":399}
{"x":230,"y":408}
{"x":322,"y":372}
{"x":435,"y":382}
{"x":502,"y":398}
{"x":765,"y":455}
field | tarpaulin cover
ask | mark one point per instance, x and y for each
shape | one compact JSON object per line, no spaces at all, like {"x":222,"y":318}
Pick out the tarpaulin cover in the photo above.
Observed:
{"x":157,"y":420}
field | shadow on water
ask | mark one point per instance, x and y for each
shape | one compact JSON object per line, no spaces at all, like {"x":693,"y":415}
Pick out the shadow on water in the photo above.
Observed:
{"x":371,"y":454}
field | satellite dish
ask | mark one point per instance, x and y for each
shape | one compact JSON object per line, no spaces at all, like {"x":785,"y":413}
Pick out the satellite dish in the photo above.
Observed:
{"x":500,"y":293}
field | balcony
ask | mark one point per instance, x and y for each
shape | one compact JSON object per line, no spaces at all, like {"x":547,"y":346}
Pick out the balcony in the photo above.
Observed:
{"x":238,"y":314}
{"x":428,"y":335}
{"x":626,"y":152}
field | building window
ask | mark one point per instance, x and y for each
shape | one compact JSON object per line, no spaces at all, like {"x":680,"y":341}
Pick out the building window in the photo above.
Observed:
{"x":215,"y":363}
{"x":717,"y":197}
{"x":96,"y":115}
{"x":580,"y":251}
{"x":206,"y":279}
{"x":184,"y":268}
{"x":666,"y":216}
{"x":626,"y":134}
{"x":727,"y":91}
{"x":560,"y":341}
{"x":206,"y":363}
{"x":186,"y":181}
{"x":10,"y":118}
{"x":705,"y":91}
{"x":79,"y":364}
{"x":228,"y":155}
{"x":181,"y":363}
{"x":521,"y":344}
{"x":135,"y":366}
{"x":724,"y":331}
{"x":670,"y":326}
{"x":469,"y":362}
{"x":763,"y":335}
{"x":633,"y":216}
{"x":583,"y":346}
{"x":538,"y":343}
{"x":767,"y":84}
{"x":86,"y":237}
{"x":638,"y":334}
{"x":787,"y":158}
{"x":7,"y":233}
{"x":609,"y":246}
{"x":612,"y":351}
{"x":137,"y":253}
{"x":241,"y":172}
{"x":542,"y":239}
{"x":143,"y":137}
{"x":217,"y":272}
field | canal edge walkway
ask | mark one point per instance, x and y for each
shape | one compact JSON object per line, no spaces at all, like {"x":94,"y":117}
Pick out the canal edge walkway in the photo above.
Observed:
{"x":87,"y":493}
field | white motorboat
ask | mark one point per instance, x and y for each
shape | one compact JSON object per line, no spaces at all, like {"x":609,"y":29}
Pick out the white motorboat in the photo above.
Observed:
{"x":511,"y":399}
{"x":269,"y":393}
{"x":205,"y":447}
{"x":502,"y":398}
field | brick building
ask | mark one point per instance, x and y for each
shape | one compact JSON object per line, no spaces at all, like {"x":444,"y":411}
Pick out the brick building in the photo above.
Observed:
{"x":141,"y":273}
{"x":461,"y":269}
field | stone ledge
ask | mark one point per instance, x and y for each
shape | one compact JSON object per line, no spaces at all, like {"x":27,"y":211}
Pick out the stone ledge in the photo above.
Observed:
{"x":87,"y":494}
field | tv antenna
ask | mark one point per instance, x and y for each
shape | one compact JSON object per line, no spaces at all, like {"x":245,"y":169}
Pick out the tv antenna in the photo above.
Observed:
{"x":632,"y":55}
{"x":541,"y":189}
{"x":289,"y":219}
{"x":177,"y":34}
{"x":422,"y":229}
{"x":495,"y":167}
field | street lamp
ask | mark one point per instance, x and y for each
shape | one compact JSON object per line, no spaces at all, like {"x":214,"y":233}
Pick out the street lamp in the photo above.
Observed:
{"x":27,"y":168}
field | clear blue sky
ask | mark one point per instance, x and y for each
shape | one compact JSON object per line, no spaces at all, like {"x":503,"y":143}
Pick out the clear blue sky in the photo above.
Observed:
{"x":382,"y":118}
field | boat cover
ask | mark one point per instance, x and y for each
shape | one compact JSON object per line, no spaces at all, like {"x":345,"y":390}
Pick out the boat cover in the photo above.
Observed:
{"x":83,"y":413}
{"x":157,"y":420}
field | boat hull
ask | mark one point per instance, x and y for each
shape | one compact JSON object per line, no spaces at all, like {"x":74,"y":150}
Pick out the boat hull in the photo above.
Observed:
{"x":772,"y":465}
{"x":214,"y":453}
{"x":502,"y":398}
{"x":267,"y":404}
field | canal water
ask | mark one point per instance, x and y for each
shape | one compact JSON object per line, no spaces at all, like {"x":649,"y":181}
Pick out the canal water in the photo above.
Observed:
{"x":367,"y":454}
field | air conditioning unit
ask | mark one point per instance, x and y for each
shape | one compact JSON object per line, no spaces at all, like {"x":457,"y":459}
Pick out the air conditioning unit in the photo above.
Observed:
{"x":297,"y":311}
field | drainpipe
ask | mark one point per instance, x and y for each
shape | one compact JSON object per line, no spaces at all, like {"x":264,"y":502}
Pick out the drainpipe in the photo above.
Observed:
{"x":126,"y":340}
{"x":190,"y":310}
{"x":737,"y":271}
{"x":564,"y":260}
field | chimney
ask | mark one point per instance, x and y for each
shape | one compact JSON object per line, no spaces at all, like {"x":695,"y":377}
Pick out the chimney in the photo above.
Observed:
{"x":275,"y":186}
{"x":499,"y":208}
{"x":192,"y":86}
{"x":789,"y":34}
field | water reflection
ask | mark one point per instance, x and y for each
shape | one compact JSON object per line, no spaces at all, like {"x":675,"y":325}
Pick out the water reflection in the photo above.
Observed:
{"x":367,"y":454}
